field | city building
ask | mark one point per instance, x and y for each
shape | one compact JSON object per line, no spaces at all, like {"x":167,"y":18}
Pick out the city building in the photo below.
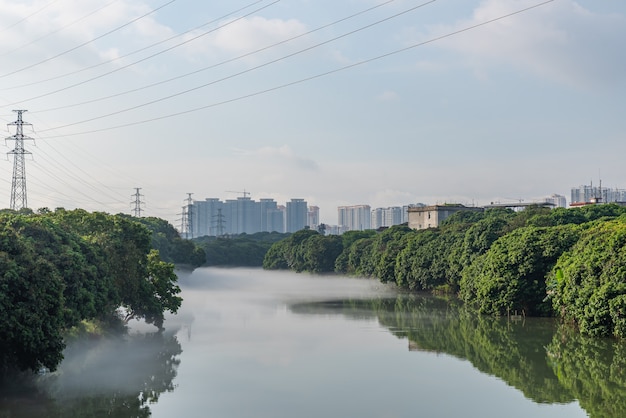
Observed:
{"x":593,"y":194}
{"x":214,"y":217}
{"x":557,"y":200}
{"x":313,"y":217}
{"x":385,"y":217}
{"x":355,"y":218}
{"x":431,"y":216}
{"x":296,"y":215}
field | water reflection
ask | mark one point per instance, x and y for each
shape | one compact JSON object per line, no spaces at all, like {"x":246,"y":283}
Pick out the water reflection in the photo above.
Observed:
{"x":547,"y":363}
{"x":593,"y":370}
{"x":113,"y":377}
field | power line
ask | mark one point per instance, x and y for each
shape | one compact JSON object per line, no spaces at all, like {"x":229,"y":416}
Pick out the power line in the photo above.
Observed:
{"x":131,"y":53}
{"x":86,"y":43}
{"x":248,"y":54}
{"x":58,"y":29}
{"x":248,"y":70}
{"x":306,"y":79}
{"x":29,"y":16}
{"x":141,"y":60}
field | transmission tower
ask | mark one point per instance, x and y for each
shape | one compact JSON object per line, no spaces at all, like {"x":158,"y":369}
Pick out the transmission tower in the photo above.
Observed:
{"x":187,"y":221}
{"x":18,"y":185}
{"x":219,"y":222}
{"x":137,"y":202}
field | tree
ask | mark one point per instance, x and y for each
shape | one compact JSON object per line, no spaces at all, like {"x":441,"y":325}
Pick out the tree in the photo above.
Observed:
{"x":512,"y":274}
{"x":588,"y":284}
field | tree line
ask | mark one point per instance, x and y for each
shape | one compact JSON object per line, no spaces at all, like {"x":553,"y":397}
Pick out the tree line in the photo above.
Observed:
{"x":569,"y":263}
{"x":242,"y":250}
{"x":58,"y":269}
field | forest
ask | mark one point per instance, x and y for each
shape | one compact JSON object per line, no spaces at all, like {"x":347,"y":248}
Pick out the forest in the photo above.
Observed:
{"x":568,"y":263}
{"x":60,"y":269}
{"x":243,"y":250}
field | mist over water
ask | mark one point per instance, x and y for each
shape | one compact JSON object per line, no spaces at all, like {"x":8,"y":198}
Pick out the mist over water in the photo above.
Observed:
{"x":255,"y":343}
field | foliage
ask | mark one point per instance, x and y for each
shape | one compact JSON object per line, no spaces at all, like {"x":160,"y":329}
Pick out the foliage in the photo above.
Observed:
{"x":171,"y":247}
{"x":588,"y":286}
{"x":592,"y":370}
{"x":538,"y":261}
{"x":59,"y":268}
{"x":304,"y":250}
{"x":512,"y":273}
{"x":239,"y":250}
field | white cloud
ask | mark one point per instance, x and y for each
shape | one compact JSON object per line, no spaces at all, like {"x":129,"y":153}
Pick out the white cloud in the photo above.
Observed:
{"x":256,"y":32}
{"x":388,"y":95}
{"x":561,"y":41}
{"x":283,"y":155}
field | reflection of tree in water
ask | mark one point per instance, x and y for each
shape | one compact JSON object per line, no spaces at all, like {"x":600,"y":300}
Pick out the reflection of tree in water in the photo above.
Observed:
{"x":510,"y":350}
{"x":108,"y":377}
{"x":593,"y":369}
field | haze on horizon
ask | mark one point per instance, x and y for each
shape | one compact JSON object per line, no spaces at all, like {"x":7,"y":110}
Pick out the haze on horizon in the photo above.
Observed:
{"x":338,"y":102}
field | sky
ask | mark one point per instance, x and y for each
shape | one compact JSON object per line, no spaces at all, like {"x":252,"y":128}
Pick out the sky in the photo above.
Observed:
{"x":339,"y":102}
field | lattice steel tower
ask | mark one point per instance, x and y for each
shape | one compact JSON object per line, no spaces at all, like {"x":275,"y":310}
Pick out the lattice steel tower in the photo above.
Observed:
{"x":18,"y":185}
{"x":187,"y":221}
{"x":137,"y":202}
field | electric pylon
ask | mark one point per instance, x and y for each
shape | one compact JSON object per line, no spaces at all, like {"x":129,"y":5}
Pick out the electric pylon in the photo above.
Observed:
{"x":18,"y":184}
{"x":219,"y":222}
{"x":137,"y":202}
{"x":187,"y":222}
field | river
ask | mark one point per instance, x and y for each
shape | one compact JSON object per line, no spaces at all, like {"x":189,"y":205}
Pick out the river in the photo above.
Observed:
{"x":254,"y":343}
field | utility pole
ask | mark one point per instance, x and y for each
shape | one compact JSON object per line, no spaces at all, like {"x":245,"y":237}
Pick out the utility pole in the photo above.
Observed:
{"x":18,"y":184}
{"x":137,"y":202}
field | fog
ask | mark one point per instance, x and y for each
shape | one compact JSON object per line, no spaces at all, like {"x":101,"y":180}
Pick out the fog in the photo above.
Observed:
{"x":142,"y":364}
{"x":249,"y":342}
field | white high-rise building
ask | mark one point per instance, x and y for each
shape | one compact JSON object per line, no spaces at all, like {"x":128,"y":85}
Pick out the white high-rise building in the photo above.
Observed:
{"x":385,"y":217}
{"x":237,"y":216}
{"x":355,"y":218}
{"x":587,"y":194}
{"x":313,"y":217}
{"x":557,"y":200}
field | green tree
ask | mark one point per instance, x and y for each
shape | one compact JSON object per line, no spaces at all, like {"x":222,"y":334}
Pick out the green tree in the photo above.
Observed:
{"x":512,"y":273}
{"x":588,"y":284}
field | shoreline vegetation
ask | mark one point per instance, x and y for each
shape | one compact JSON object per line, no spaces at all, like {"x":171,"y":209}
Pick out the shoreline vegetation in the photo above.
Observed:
{"x":70,"y":273}
{"x":66,"y":273}
{"x":565,"y":263}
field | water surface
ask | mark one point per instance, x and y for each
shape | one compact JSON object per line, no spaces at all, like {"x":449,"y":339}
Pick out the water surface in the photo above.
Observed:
{"x":252,"y":343}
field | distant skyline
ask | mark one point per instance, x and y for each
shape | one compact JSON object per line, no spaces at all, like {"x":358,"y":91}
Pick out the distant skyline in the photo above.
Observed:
{"x":337,"y":102}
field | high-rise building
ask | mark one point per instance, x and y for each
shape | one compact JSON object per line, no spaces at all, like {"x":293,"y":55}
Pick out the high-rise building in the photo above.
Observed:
{"x":205,"y":215}
{"x":355,"y":218}
{"x":236,"y":216}
{"x":557,"y":200}
{"x":385,"y":217}
{"x":296,"y":215}
{"x":276,"y":219}
{"x":313,"y":217}
{"x":587,"y":194}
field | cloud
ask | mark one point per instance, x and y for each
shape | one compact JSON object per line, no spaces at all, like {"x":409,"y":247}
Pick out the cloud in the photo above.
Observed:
{"x":30,"y":30}
{"x":388,"y":95}
{"x":561,"y":41}
{"x":283,"y":155}
{"x":256,"y":32}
